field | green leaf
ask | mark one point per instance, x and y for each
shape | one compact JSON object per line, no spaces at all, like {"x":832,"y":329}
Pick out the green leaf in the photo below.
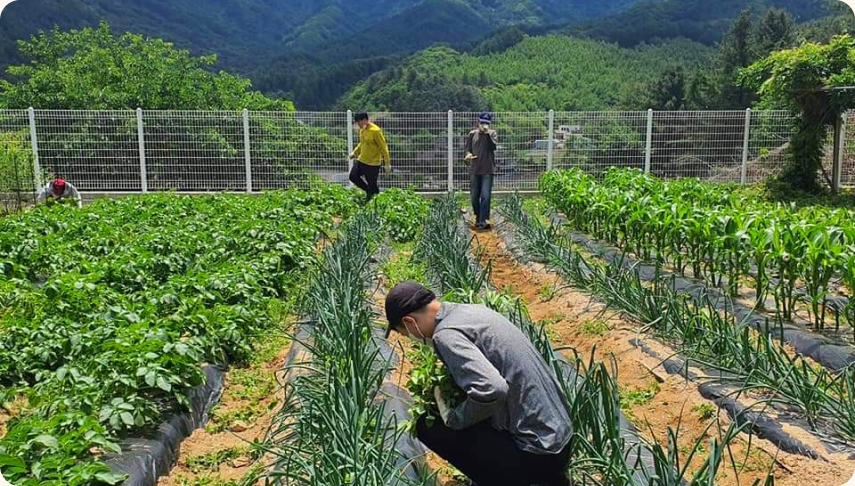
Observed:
{"x":127,"y":418}
{"x":181,"y":349}
{"x":47,"y":441}
{"x":110,"y":478}
{"x":163,"y":384}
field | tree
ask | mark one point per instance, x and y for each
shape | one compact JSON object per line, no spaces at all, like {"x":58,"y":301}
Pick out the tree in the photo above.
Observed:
{"x":807,"y":81}
{"x":668,"y":93}
{"x":776,"y":31}
{"x":92,"y":69}
{"x":747,"y":41}
{"x":735,"y":54}
{"x":703,"y":92}
{"x":499,"y":42}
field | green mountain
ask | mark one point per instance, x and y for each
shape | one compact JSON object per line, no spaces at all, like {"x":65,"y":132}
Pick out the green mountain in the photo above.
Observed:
{"x":538,"y":73}
{"x":243,"y":32}
{"x":700,"y":20}
{"x":315,"y":77}
{"x":249,"y":32}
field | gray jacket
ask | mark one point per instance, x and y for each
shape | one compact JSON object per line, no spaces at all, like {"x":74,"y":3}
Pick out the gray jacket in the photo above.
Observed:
{"x":504,"y":377}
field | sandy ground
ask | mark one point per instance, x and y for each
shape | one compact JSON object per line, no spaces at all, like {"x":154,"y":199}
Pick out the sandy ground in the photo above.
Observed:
{"x":203,"y":441}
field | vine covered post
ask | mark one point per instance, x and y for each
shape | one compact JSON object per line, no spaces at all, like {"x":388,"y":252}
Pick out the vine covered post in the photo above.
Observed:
{"x":815,"y":83}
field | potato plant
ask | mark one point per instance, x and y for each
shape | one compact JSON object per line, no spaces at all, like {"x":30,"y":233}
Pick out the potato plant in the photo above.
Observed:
{"x":107,"y":313}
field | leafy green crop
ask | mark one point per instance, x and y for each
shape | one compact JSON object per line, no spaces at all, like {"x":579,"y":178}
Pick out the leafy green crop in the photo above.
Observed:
{"x":427,"y":373}
{"x":107,"y":313}
{"x":403,"y":213}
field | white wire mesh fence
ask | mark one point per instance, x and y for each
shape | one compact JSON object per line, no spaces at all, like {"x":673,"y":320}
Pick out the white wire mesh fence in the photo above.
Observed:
{"x":140,"y":151}
{"x":595,"y":141}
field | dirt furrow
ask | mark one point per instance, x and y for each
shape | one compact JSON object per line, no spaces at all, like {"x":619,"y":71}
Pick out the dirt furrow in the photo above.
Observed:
{"x":655,"y":400}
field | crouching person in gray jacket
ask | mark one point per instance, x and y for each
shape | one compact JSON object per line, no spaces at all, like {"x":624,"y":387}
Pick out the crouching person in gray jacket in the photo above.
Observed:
{"x":513,"y":428}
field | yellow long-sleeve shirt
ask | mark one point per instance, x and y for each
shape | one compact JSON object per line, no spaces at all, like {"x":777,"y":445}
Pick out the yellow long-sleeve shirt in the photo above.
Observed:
{"x":372,"y":149}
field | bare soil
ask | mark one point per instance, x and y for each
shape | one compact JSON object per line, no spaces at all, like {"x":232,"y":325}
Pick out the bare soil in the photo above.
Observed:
{"x":575,"y":319}
{"x":206,"y":441}
{"x":10,"y":410}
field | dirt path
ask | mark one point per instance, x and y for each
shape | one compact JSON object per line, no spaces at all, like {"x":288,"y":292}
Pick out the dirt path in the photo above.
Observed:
{"x":221,"y":454}
{"x":574,"y":319}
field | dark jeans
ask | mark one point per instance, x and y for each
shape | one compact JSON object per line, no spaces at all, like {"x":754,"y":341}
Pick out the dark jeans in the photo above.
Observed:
{"x":491,"y":458}
{"x":370,"y":174}
{"x":481,"y":190}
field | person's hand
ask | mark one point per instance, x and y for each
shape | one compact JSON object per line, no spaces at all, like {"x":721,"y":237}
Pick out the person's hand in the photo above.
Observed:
{"x":444,"y":411}
{"x":352,"y":156}
{"x":470,"y":157}
{"x":388,"y":167}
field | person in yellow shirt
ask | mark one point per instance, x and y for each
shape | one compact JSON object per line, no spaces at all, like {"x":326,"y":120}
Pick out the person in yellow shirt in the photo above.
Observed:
{"x":370,"y":154}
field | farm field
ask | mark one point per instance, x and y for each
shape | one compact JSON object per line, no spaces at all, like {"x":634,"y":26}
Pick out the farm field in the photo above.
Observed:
{"x":111,"y":316}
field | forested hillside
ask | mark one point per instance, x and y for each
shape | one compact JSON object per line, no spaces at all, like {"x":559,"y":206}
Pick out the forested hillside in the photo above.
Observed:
{"x":432,"y":54}
{"x":538,"y":73}
{"x":248,"y":33}
{"x":704,"y":21}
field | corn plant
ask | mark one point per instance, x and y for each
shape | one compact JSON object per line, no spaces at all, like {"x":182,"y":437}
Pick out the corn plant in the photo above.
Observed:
{"x":712,"y":337}
{"x":703,"y":226}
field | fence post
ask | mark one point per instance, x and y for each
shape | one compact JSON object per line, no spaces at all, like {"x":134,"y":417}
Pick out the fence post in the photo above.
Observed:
{"x":349,"y":126}
{"x":37,"y":169}
{"x":839,"y":147}
{"x":550,"y":151}
{"x":247,"y":153}
{"x":648,"y":150}
{"x":141,"y":139}
{"x":450,"y":151}
{"x":746,"y":141}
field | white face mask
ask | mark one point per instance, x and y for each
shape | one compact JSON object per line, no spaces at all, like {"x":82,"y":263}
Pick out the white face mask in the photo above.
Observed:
{"x":416,"y":336}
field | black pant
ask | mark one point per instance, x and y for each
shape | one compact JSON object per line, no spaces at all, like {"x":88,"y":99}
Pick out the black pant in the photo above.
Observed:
{"x":491,"y":458}
{"x":481,"y":190}
{"x":370,"y":173}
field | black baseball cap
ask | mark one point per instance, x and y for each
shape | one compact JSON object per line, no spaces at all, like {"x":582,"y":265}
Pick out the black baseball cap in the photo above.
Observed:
{"x":404,"y":299}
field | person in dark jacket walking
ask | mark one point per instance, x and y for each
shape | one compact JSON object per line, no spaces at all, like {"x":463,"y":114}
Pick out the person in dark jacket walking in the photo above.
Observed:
{"x":480,"y":152}
{"x":513,"y":428}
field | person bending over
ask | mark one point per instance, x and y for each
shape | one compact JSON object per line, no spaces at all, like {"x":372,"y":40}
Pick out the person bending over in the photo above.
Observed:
{"x":513,"y":428}
{"x":59,"y":189}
